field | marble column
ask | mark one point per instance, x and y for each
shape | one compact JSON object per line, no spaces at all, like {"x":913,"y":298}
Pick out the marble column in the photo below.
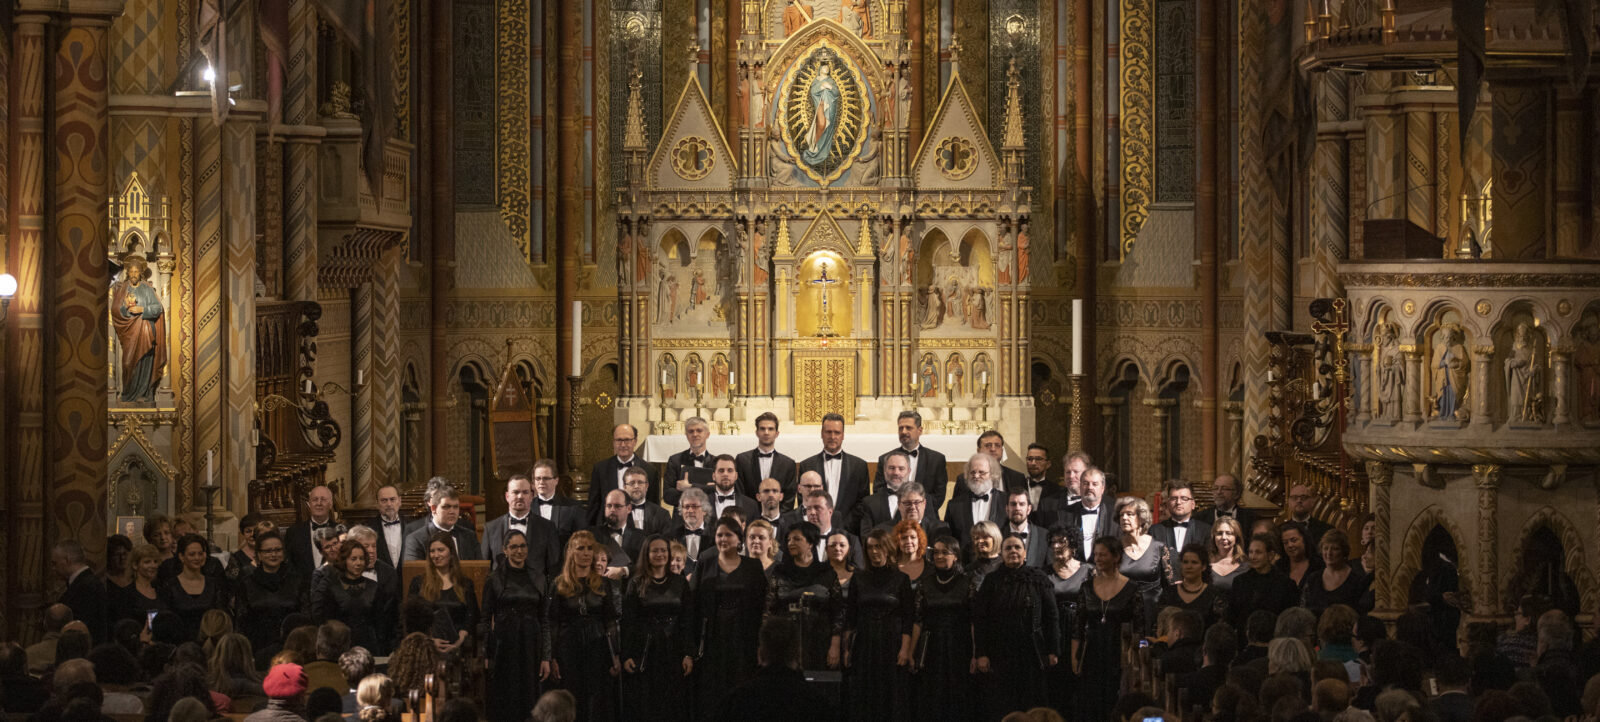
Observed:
{"x":1486,"y":586}
{"x":76,"y":277}
{"x":301,"y":137}
{"x":1560,"y":368}
{"x":1162,"y":408}
{"x":1478,"y":382}
{"x":1414,"y":390}
{"x":1360,"y":383}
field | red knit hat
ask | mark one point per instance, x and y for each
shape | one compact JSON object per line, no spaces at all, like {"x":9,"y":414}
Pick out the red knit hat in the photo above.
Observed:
{"x":284,"y":681}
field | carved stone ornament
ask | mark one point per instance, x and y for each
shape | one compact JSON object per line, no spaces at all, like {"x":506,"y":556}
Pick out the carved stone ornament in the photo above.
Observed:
{"x":1483,"y":307}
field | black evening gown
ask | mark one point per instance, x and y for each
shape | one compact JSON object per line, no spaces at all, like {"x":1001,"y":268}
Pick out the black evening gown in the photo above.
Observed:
{"x":942,"y":685}
{"x":1148,"y":573}
{"x":1211,"y":604}
{"x":880,"y":609}
{"x":1271,"y":592}
{"x":981,"y":568}
{"x":513,"y":607}
{"x":1014,"y":625}
{"x":810,"y":596}
{"x":658,"y":625}
{"x":352,"y":601}
{"x":1224,"y":582}
{"x":265,"y":599}
{"x":191,"y":607}
{"x":1099,"y":637}
{"x":1069,"y":608}
{"x":128,"y":603}
{"x":580,"y":633}
{"x":1317,"y":598}
{"x":455,"y":609}
{"x":729,"y":606}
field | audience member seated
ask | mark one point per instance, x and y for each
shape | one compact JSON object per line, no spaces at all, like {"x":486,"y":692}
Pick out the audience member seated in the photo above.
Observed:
{"x":357,"y":664}
{"x":557,"y":705}
{"x":42,"y":654}
{"x":1453,"y":675}
{"x":232,"y":668}
{"x":182,"y":680}
{"x":375,"y":699}
{"x":285,"y":686}
{"x":333,"y":640}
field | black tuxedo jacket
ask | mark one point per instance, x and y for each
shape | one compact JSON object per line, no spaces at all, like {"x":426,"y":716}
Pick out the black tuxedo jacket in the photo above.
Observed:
{"x":298,"y":541}
{"x":698,"y":468}
{"x":656,"y":519}
{"x":1038,"y":543}
{"x":566,"y":514}
{"x":794,"y":516}
{"x":931,"y":474}
{"x":544,"y":545}
{"x":1051,"y":511}
{"x":622,"y":553}
{"x":384,"y":555}
{"x":417,"y":543}
{"x":1105,"y":524}
{"x":751,"y":507}
{"x":1245,"y":517}
{"x":1165,"y":532}
{"x":874,"y":511}
{"x":603,"y":478}
{"x":853,"y":481}
{"x":387,"y":607}
{"x":86,"y":596}
{"x":681,"y":534}
{"x":959,"y":515}
{"x":783,"y":469}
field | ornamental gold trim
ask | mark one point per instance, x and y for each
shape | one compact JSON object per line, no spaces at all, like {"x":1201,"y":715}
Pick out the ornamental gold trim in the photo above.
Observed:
{"x":513,"y":191}
{"x":1137,"y":122}
{"x":693,"y":157}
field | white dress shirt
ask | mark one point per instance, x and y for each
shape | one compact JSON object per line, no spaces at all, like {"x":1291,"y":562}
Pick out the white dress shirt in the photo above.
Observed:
{"x":911,"y":460}
{"x":980,"y":507}
{"x":830,"y":474}
{"x":764,"y":461}
{"x":393,"y":537}
{"x":1090,"y":521}
{"x":546,"y":509}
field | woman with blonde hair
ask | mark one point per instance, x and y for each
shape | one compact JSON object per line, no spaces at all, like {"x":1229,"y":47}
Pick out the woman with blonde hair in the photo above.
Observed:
{"x":985,"y":550}
{"x":375,"y":694}
{"x":139,"y":598}
{"x":759,"y":543}
{"x":581,"y":617}
{"x":455,"y":601}
{"x":232,"y":668}
{"x":1226,"y":550}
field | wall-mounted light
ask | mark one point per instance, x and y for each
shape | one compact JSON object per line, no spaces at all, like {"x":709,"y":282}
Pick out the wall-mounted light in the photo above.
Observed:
{"x":8,"y":288}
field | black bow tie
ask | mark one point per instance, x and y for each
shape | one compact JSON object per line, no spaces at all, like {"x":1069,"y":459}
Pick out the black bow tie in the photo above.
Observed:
{"x":517,"y":522}
{"x":826,"y":457}
{"x":320,"y":525}
{"x":724,"y":497}
{"x":391,"y":523}
{"x":538,"y":501}
{"x":1183,"y":524}
{"x":981,"y":497}
{"x":1020,"y":535}
{"x":1221,"y":513}
{"x":765,"y":454}
{"x":911,"y":453}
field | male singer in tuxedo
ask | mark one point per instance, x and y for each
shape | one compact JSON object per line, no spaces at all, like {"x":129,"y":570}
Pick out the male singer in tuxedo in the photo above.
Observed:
{"x":1179,"y":527}
{"x":693,"y":533}
{"x":925,"y":466}
{"x":430,"y":495}
{"x":1301,"y":504}
{"x":810,"y":483}
{"x":724,"y":491}
{"x":1003,"y":477}
{"x":914,"y":507}
{"x":844,"y":476}
{"x":690,"y":467}
{"x":765,"y":462}
{"x":644,"y":515}
{"x":544,"y":549}
{"x":883,"y":504}
{"x":621,"y":540}
{"x":980,"y":502}
{"x":391,"y":526}
{"x":607,"y":473}
{"x":1050,"y":497}
{"x":1091,"y":515}
{"x":85,"y":593}
{"x":566,"y":514}
{"x":820,"y":510}
{"x":303,"y":553}
{"x":769,"y":499}
{"x":1225,"y":496}
{"x":1033,"y":536}
{"x":445,"y":518}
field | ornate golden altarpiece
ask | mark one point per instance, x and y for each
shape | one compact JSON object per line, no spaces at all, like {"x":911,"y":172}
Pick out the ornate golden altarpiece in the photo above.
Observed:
{"x":814,"y":257}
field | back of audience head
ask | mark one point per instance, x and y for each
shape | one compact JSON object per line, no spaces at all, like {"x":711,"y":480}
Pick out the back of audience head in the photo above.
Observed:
{"x":1297,"y":622}
{"x":167,"y":627}
{"x":114,"y":665}
{"x":1220,"y":644}
{"x":1039,"y":714}
{"x":82,"y":702}
{"x":333,"y":640}
{"x":323,"y":700}
{"x":181,"y":680}
{"x":1337,"y":625}
{"x":71,"y":672}
{"x":1230,"y":703}
{"x":1330,"y":695}
{"x":1258,"y":627}
{"x":153,"y":659}
{"x":357,"y":664}
{"x":56,"y":616}
{"x":303,"y":642}
{"x":1495,"y":706}
{"x":1556,"y":632}
{"x":1532,"y":702}
{"x":1452,"y":672}
{"x":374,"y":694}
{"x":557,"y":705}
{"x":1288,"y":654}
{"x":1329,"y":669}
{"x":1394,"y":703}
{"x":1396,"y":664}
{"x":1369,"y":631}
{"x":73,"y":644}
{"x":1186,"y":624}
{"x":189,"y":709}
{"x":1276,"y":687}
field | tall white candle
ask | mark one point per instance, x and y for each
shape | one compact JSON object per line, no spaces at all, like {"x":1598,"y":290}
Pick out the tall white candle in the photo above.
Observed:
{"x":733,"y":379}
{"x":1077,"y":337}
{"x":577,"y":337}
{"x":950,"y":379}
{"x":210,"y":471}
{"x":308,"y":386}
{"x":361,"y":377}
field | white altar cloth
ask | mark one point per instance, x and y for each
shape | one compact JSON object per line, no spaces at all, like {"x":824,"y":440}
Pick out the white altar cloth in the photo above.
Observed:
{"x":956,"y":448}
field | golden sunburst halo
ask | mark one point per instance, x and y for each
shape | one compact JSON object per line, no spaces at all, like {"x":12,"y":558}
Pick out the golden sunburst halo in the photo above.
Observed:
{"x":798,"y":110}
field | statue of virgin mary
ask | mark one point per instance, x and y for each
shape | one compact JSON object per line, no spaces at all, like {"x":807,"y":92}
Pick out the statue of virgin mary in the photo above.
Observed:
{"x":824,"y":94}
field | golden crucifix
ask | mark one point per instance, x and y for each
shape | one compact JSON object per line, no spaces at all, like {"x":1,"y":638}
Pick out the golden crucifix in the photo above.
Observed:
{"x":822,"y":282}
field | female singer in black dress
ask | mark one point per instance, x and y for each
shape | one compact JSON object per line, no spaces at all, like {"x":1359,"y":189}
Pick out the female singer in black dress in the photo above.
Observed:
{"x":140,"y":597}
{"x":269,"y":594}
{"x":1338,"y":582}
{"x":1110,"y":601}
{"x":911,"y":550}
{"x":1067,"y":576}
{"x":191,"y":593}
{"x":1263,"y":586}
{"x":942,"y":639}
{"x":1193,"y":591}
{"x":658,"y":626}
{"x":1226,"y":553}
{"x":1014,"y":632}
{"x":348,"y":596}
{"x":732,"y":591}
{"x":879,"y":615}
{"x":513,"y":609}
{"x":985,"y":550}
{"x":580,"y":632}
{"x":454,"y":599}
{"x":806,"y":590}
{"x":1145,"y":561}
{"x":1298,"y":560}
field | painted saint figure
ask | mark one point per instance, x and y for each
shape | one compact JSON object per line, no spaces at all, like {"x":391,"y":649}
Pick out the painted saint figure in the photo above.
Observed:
{"x":928,"y":377}
{"x":1522,"y":378}
{"x":669,"y":376}
{"x":1450,"y":380}
{"x":141,"y":325}
{"x":935,"y":312}
{"x":978,"y":309}
{"x":824,"y":94}
{"x":853,"y":16}
{"x":795,"y":16}
{"x":663,"y":296}
{"x":719,"y":375}
{"x":1391,"y":373}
